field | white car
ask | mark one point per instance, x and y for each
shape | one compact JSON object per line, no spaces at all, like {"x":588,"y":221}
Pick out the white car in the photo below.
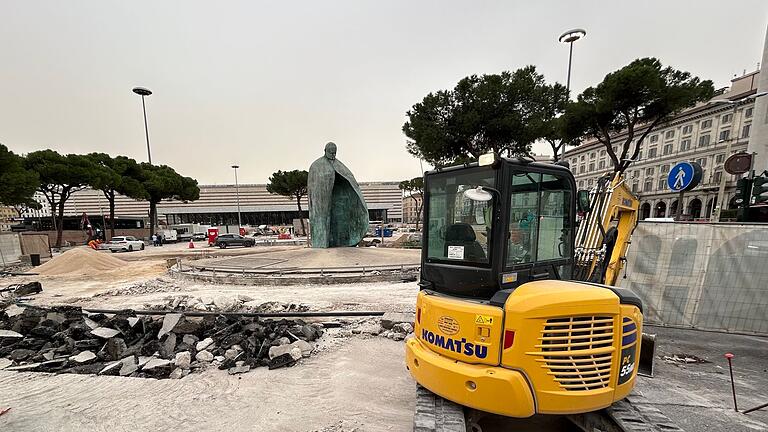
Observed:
{"x":125,"y":244}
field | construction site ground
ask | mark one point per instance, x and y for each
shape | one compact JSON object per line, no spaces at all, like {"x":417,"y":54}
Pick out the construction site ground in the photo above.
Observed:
{"x":356,"y":382}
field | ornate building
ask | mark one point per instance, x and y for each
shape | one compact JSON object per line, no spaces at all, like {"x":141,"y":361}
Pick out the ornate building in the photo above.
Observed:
{"x":707,"y":133}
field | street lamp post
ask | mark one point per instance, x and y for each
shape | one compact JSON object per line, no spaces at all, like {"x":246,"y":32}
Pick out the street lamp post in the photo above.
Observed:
{"x":143,"y":92}
{"x":715,"y":217}
{"x":237,"y":195}
{"x":569,"y":37}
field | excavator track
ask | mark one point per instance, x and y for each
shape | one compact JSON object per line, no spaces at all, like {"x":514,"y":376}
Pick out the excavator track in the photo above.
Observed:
{"x":634,"y":414}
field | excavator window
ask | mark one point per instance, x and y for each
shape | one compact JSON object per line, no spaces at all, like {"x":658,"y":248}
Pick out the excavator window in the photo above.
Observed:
{"x":459,"y":228}
{"x":539,"y":218}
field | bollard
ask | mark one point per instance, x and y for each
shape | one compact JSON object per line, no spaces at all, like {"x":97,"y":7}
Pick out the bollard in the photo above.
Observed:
{"x":730,"y":356}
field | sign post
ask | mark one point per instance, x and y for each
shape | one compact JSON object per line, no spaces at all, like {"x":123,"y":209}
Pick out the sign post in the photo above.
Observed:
{"x":684,"y":176}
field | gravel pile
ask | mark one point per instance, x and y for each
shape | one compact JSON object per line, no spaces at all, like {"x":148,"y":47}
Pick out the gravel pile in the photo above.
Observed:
{"x":62,"y":339}
{"x":224,"y":303}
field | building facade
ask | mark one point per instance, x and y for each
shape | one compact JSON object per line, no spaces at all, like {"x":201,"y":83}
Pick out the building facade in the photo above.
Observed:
{"x":7,"y":216}
{"x":707,"y":133}
{"x":218,"y":205}
{"x":411,"y":205}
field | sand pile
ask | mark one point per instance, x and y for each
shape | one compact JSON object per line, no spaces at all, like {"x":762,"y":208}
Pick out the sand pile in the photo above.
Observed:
{"x":80,"y":260}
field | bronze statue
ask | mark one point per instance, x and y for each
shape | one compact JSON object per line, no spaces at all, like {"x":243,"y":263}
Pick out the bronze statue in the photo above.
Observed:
{"x":338,"y":215}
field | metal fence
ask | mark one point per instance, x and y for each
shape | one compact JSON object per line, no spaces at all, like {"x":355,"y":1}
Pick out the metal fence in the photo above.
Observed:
{"x":701,"y":275}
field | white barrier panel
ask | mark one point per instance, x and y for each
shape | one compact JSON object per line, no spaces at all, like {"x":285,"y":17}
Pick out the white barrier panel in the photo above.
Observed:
{"x":10,"y":248}
{"x":701,"y":275}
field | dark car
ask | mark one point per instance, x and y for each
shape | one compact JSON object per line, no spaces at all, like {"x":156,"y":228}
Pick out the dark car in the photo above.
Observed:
{"x":226,"y":240}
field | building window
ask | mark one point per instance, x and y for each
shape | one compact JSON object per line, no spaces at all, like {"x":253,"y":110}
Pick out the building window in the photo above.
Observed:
{"x":654,"y":138}
{"x":592,"y":155}
{"x":636,"y":174}
{"x":581,"y":184}
{"x":582,"y":158}
{"x":602,"y":153}
{"x":667,"y":149}
{"x":726,"y":119}
{"x":601,"y":164}
{"x":706,"y":124}
{"x":703,"y":140}
{"x":745,"y":131}
{"x":664,"y":169}
{"x":748,"y":112}
{"x":581,"y":169}
{"x":719,"y":158}
{"x":662,"y":184}
{"x":652,"y":152}
{"x":687,"y":129}
{"x":647,"y":186}
{"x":649,"y":171}
{"x":634,"y":187}
{"x":589,"y":183}
{"x":669,"y":134}
{"x":685,"y":145}
{"x":725,"y":134}
{"x":717,"y":177}
{"x":702,"y":162}
{"x":591,"y":166}
{"x":640,"y":155}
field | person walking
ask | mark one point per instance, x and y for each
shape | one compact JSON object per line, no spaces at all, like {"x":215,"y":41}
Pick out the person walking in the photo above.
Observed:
{"x":154,"y":239}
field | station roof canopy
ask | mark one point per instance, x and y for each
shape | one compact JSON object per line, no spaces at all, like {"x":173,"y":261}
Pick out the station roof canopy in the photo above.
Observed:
{"x":187,"y":209}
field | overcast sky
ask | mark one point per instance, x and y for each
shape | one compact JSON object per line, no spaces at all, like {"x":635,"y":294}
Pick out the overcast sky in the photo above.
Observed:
{"x":267,"y":84}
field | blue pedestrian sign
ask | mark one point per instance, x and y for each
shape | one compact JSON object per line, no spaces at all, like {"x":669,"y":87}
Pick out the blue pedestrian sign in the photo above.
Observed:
{"x":684,"y":176}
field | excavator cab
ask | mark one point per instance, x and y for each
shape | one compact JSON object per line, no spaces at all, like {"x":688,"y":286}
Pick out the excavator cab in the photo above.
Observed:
{"x":501,"y":326}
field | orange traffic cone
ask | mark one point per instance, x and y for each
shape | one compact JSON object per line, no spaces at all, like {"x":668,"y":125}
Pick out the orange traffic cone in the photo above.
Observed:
{"x":191,"y":244}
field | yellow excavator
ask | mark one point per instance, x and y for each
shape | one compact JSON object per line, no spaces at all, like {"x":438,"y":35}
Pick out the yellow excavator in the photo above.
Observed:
{"x":518,"y":313}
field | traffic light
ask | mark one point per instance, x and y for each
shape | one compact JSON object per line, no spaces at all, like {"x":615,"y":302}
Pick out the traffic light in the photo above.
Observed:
{"x":760,"y":189}
{"x":742,"y":196}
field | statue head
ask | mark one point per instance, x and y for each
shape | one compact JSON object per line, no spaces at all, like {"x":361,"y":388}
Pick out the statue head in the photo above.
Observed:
{"x":330,"y":151}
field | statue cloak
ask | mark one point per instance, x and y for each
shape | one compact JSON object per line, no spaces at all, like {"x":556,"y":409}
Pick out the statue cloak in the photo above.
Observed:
{"x":338,"y":215}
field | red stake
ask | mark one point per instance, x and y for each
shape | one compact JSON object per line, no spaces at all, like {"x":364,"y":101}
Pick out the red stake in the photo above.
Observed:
{"x":3,"y":411}
{"x":730,"y":356}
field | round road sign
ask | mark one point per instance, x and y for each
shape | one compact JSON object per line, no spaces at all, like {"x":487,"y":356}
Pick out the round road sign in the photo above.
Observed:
{"x":684,"y":176}
{"x":738,"y":163}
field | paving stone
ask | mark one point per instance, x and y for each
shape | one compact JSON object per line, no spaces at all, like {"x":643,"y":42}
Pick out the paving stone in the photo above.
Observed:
{"x":281,"y":361}
{"x":204,"y":344}
{"x":10,"y":334}
{"x":111,"y":368}
{"x":204,"y":356}
{"x":23,"y":368}
{"x":176,"y":374}
{"x":169,"y":322}
{"x":4,"y":363}
{"x":83,"y":357}
{"x":304,"y":346}
{"x":14,"y":310}
{"x":295,"y":353}
{"x":105,"y":332}
{"x":189,"y":339}
{"x":129,"y":365}
{"x":391,"y":318}
{"x":156,"y":363}
{"x":132,"y":321}
{"x":277,"y":351}
{"x":93,"y":325}
{"x":183,"y":359}
{"x":21,"y":354}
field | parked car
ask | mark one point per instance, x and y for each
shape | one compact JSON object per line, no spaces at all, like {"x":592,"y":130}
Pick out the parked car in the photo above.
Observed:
{"x":198,"y":236}
{"x":225,"y":240}
{"x":125,"y":244}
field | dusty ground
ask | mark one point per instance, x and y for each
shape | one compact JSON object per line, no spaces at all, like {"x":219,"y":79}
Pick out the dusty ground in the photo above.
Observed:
{"x":360,"y":386}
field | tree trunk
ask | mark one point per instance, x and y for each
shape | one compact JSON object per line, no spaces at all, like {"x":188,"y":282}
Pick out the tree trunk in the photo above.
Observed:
{"x":111,"y":199}
{"x":60,"y":225}
{"x":152,"y":218}
{"x":301,"y":217}
{"x":418,"y":211}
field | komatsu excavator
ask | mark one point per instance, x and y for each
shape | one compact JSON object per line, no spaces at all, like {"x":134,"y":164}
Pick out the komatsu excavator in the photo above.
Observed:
{"x":518,"y":313}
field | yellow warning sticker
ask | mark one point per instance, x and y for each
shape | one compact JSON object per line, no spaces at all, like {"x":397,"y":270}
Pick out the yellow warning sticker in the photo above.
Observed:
{"x":483,"y":319}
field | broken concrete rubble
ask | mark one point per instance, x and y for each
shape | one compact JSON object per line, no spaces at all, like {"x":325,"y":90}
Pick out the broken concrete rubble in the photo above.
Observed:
{"x":62,"y":339}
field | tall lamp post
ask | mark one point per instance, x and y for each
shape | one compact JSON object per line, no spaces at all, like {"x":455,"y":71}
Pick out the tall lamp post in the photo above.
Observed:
{"x":715,"y":217}
{"x":570,"y":37}
{"x":237,"y":194}
{"x":143,"y":92}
